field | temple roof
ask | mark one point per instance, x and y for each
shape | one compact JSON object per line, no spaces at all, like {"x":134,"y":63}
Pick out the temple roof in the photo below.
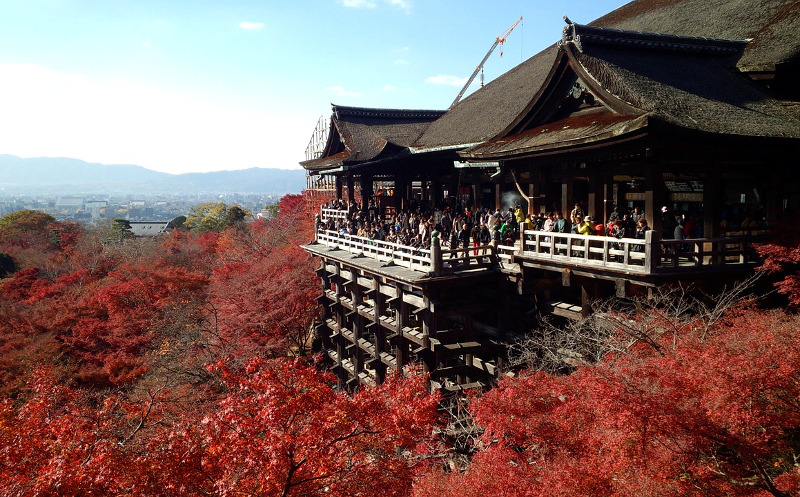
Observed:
{"x":360,"y":134}
{"x":678,"y":62}
{"x":771,"y":26}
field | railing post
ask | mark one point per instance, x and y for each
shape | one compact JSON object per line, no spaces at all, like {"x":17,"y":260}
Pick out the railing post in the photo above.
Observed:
{"x":436,"y":257}
{"x":651,"y":252}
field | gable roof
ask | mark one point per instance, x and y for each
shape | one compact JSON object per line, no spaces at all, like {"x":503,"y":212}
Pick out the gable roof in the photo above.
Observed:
{"x":640,"y":78}
{"x":489,"y":110}
{"x":361,"y":134}
{"x":771,"y":26}
{"x":672,"y":61}
{"x":686,"y":81}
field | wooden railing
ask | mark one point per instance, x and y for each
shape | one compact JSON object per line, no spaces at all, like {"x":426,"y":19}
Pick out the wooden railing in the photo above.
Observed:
{"x":436,"y":260}
{"x":335,"y":214}
{"x":629,"y":255}
{"x":644,"y":256}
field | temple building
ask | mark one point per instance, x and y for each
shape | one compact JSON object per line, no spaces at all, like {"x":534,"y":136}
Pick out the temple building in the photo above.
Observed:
{"x":665,"y":107}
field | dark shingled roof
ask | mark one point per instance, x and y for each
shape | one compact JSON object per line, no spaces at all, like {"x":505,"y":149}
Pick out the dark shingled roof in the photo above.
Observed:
{"x":771,"y":25}
{"x":676,"y":61}
{"x":565,"y":133}
{"x":367,"y":134}
{"x":694,"y":91}
{"x":488,"y":111}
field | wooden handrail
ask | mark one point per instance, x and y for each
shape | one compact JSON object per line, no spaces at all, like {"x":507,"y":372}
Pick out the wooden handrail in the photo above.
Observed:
{"x":645,"y":256}
{"x":436,"y":260}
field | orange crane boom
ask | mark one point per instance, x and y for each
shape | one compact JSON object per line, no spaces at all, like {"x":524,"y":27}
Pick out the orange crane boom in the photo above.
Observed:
{"x":498,"y":41}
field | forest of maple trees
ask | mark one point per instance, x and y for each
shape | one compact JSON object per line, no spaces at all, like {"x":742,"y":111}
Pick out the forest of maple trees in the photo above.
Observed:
{"x":180,"y":366}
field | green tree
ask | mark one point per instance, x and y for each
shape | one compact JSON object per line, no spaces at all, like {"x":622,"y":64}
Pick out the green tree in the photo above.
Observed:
{"x":120,"y":230}
{"x":211,"y":216}
{"x":23,"y":222}
{"x":178,"y":222}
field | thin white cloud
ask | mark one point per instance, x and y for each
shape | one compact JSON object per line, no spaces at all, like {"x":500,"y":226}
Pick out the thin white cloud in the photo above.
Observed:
{"x":400,"y":62}
{"x":340,"y":91}
{"x":445,"y":79}
{"x":389,"y":88}
{"x":251,"y":26}
{"x":400,"y":4}
{"x":359,"y":4}
{"x":371,"y":4}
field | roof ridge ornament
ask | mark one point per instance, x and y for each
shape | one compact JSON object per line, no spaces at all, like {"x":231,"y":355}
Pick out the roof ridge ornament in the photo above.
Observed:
{"x":582,"y":36}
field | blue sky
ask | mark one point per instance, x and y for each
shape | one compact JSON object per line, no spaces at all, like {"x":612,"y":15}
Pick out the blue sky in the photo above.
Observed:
{"x":193,"y":86}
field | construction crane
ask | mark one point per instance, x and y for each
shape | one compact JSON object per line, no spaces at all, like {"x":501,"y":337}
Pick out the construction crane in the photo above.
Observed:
{"x":498,"y":41}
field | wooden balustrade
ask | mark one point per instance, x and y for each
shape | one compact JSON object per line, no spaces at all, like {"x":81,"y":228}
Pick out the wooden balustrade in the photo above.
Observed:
{"x":631,"y":255}
{"x":644,"y":256}
{"x":335,"y":214}
{"x":436,"y":260}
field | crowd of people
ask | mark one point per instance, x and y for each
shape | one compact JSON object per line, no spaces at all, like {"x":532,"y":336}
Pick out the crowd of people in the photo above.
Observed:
{"x":453,"y":224}
{"x":461,"y":226}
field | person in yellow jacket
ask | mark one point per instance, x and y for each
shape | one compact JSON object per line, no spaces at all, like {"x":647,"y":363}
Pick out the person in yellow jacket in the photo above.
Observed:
{"x":587,"y":227}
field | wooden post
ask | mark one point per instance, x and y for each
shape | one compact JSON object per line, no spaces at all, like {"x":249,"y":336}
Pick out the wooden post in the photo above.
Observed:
{"x":436,"y":257}
{"x":401,"y":347}
{"x":351,"y":191}
{"x":566,"y":197}
{"x":338,"y":187}
{"x":651,"y":250}
{"x":428,"y":329}
{"x":357,"y":323}
{"x":366,"y":190}
{"x":380,"y":334}
{"x":399,"y":192}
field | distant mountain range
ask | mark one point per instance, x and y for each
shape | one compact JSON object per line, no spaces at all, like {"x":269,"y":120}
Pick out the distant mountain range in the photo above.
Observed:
{"x":64,"y":175}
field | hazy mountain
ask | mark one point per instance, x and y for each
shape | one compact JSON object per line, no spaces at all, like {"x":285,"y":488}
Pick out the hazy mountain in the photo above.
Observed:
{"x":65,"y":175}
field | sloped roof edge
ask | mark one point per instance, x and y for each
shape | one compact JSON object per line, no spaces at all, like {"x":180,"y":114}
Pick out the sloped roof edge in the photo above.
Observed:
{"x":581,"y":34}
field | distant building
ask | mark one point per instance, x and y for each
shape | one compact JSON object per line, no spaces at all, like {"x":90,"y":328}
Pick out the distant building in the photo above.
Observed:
{"x":148,"y":228}
{"x":70,"y":203}
{"x":95,"y":208}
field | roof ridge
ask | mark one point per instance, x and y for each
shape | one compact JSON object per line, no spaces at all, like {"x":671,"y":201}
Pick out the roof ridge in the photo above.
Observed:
{"x":582,"y":35}
{"x":342,"y":111}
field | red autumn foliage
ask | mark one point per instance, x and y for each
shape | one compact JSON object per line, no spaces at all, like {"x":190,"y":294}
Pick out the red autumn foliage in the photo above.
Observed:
{"x":280,"y":430}
{"x":782,"y":257}
{"x":714,"y":415}
{"x":283,"y":430}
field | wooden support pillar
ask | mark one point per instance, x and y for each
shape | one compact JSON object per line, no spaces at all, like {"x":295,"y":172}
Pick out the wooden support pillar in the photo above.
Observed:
{"x":379,"y":342}
{"x":428,"y":330}
{"x":351,"y":191}
{"x":401,"y":345}
{"x":586,"y":300}
{"x":423,"y":187}
{"x":436,"y":191}
{"x":532,"y":202}
{"x":655,"y":196}
{"x":497,"y":196}
{"x":595,"y":201}
{"x":542,"y":199}
{"x":358,"y":325}
{"x":399,"y":192}
{"x":567,"y":194}
{"x":338,"y":180}
{"x":713,"y":202}
{"x":366,"y":190}
{"x":341,"y":374}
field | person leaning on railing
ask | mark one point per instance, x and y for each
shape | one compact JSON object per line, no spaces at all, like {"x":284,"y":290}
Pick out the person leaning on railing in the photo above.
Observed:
{"x":587,"y":226}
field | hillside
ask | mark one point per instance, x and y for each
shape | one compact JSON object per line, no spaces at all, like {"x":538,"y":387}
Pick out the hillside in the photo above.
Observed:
{"x":66,"y":175}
